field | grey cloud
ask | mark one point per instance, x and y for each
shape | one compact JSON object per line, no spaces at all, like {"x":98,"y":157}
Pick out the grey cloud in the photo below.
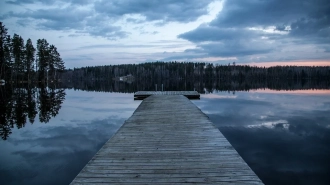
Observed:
{"x":211,"y":33}
{"x":136,"y":21}
{"x":55,"y":18}
{"x":226,"y":42}
{"x":20,"y":2}
{"x":79,"y":58}
{"x":153,"y":10}
{"x":185,"y":56}
{"x":70,"y":18}
{"x":58,"y":25}
{"x":231,"y":48}
{"x":81,"y":2}
{"x":151,"y":33}
{"x":47,"y":2}
{"x":327,"y":49}
{"x":110,"y":32}
{"x":23,"y":22}
{"x":118,"y":46}
{"x":73,"y":35}
{"x":301,"y":22}
{"x":319,"y":28}
{"x":244,"y":47}
{"x":259,"y":13}
{"x":309,"y":17}
{"x":165,"y":45}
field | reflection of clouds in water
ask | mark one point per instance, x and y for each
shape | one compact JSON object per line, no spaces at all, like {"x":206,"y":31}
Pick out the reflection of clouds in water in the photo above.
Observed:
{"x":218,"y":96}
{"x":291,"y":101}
{"x":283,"y":137}
{"x":40,"y":153}
{"x":280,"y":157}
{"x":82,"y":105}
{"x":272,"y":124}
{"x":60,"y":150}
{"x":263,"y":117}
{"x":62,"y":137}
{"x":229,"y":106}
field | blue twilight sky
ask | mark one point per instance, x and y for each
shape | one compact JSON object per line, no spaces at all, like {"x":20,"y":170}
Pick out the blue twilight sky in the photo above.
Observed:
{"x":102,"y":32}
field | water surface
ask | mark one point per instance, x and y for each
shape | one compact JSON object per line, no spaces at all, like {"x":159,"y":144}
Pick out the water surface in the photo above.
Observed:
{"x":55,"y":152}
{"x":50,"y":134}
{"x":284,"y":136}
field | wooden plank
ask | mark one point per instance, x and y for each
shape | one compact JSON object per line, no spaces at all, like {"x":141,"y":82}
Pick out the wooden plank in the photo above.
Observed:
{"x":167,"y":140}
{"x":140,"y":95}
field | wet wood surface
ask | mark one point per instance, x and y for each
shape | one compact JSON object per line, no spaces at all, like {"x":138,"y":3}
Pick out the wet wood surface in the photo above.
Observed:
{"x":168,"y":140}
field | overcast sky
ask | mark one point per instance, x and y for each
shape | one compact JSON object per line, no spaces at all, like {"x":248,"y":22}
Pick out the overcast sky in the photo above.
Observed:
{"x":102,"y":32}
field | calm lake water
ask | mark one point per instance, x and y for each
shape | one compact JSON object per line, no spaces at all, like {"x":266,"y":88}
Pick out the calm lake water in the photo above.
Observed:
{"x":284,"y":136}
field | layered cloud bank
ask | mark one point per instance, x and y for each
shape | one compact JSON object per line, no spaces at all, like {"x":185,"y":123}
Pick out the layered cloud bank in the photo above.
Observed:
{"x":98,"y":32}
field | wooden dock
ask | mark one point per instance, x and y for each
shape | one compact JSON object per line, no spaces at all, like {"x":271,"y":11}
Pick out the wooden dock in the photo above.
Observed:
{"x":168,"y":140}
{"x":140,"y":95}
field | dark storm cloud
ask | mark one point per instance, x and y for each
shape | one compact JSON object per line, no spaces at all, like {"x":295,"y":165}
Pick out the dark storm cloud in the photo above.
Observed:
{"x":304,"y":22}
{"x":154,"y":10}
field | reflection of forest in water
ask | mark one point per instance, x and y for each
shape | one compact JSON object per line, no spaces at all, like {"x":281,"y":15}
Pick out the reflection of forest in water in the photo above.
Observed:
{"x":202,"y":86}
{"x":22,"y":104}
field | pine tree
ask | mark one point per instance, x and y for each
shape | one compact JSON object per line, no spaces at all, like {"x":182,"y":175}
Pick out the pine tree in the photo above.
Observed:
{"x":3,"y":35}
{"x":55,"y":62}
{"x":42,"y":58}
{"x":7,"y":57}
{"x":17,"y":44}
{"x":29,"y":57}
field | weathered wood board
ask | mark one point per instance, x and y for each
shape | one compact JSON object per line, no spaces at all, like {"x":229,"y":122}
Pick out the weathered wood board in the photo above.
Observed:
{"x":168,"y":140}
{"x":140,"y":95}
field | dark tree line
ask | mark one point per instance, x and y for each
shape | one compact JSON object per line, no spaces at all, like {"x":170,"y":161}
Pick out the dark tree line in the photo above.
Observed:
{"x":159,"y":71}
{"x":21,"y":61}
{"x":22,"y":104}
{"x":202,"y":86}
{"x":190,"y":76}
{"x":203,"y":77}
